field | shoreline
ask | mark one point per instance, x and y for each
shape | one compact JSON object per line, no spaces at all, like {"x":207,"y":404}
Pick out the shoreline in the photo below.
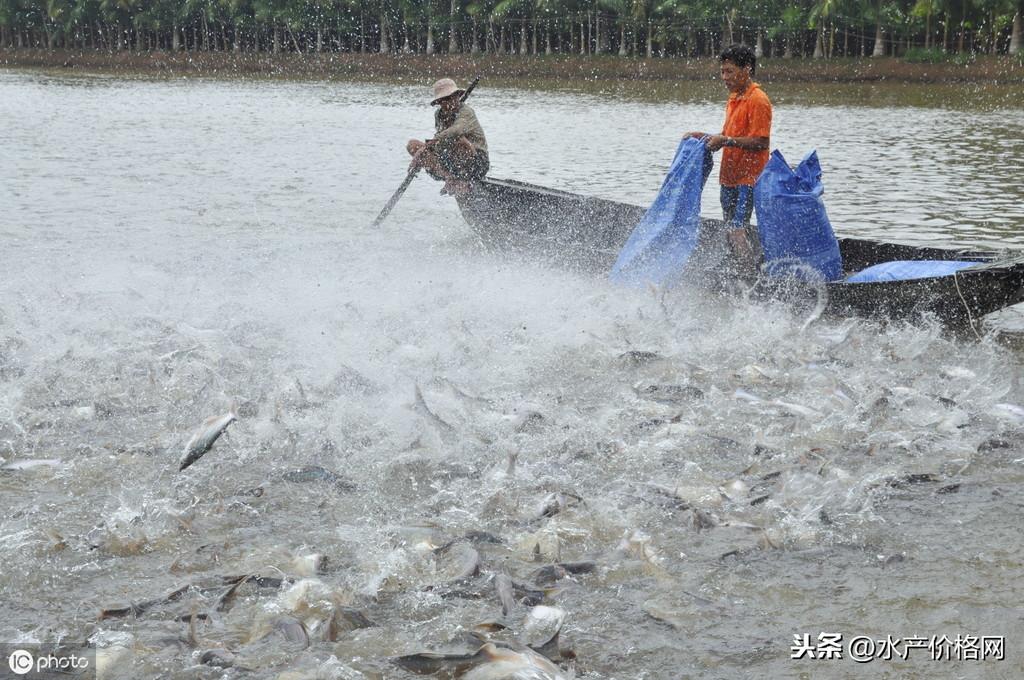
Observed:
{"x":997,"y":70}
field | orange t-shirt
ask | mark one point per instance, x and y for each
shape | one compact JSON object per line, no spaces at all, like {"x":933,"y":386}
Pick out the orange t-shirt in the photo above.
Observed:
{"x":746,"y":115}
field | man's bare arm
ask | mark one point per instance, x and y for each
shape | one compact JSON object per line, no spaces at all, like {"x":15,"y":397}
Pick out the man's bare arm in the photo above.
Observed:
{"x":716,"y":142}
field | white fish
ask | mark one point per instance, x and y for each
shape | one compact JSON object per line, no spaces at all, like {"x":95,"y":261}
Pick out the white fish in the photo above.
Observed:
{"x":842,"y":397}
{"x":747,"y":396}
{"x":554,"y":503}
{"x":203,"y":438}
{"x":420,"y":406}
{"x":173,"y":354}
{"x":734,"y":490}
{"x":837,"y":336}
{"x":544,"y":545}
{"x":1009,"y":412}
{"x":953,"y":422}
{"x":752,"y":373}
{"x":510,"y":468}
{"x":503,"y":584}
{"x":110,"y":659}
{"x":637,"y":543}
{"x":904,"y":392}
{"x":509,"y":664}
{"x":542,"y":625}
{"x":310,"y":601}
{"x":819,"y":307}
{"x":85,"y":412}
{"x":692,"y":494}
{"x":309,"y":565}
{"x":456,"y":561}
{"x":523,"y":417}
{"x":31,"y":463}
{"x":797,"y":409}
{"x":958,"y":372}
{"x":736,"y":524}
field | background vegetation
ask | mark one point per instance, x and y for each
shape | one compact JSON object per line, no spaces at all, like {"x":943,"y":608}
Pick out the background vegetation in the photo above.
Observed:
{"x":918,"y":30}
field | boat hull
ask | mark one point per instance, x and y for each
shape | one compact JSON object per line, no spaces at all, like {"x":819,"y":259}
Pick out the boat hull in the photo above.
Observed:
{"x":588,"y":233}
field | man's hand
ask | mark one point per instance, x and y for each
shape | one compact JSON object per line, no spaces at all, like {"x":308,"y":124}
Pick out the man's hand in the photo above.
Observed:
{"x":716,"y":142}
{"x":417,"y":150}
{"x":417,"y":160}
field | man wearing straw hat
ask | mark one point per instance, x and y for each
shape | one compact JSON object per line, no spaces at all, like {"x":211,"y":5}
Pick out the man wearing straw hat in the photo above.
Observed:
{"x":458,"y":152}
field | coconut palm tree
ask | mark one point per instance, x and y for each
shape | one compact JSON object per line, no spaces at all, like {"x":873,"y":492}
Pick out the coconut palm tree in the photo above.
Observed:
{"x":821,"y":10}
{"x":1017,"y":32}
{"x":476,"y":11}
{"x":56,"y":14}
{"x":622,"y":10}
{"x":516,"y":11}
{"x":926,"y":9}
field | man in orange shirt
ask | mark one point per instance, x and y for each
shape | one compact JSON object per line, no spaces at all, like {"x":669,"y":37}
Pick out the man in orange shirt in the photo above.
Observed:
{"x":744,"y":142}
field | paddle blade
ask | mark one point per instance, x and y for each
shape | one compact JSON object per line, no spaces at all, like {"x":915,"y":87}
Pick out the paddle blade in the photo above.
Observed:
{"x":394,"y":197}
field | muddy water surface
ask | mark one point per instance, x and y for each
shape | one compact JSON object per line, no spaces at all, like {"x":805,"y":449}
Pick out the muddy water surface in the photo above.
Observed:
{"x":174,"y":250}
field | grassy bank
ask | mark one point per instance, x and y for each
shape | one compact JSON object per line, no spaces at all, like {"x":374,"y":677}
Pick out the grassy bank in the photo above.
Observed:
{"x":347,"y":66}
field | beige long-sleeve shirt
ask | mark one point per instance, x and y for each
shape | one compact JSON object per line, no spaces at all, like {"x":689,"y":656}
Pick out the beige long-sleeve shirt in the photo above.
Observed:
{"x":465,"y":125}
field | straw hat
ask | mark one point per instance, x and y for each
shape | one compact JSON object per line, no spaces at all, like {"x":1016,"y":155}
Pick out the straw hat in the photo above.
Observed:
{"x":445,"y":87}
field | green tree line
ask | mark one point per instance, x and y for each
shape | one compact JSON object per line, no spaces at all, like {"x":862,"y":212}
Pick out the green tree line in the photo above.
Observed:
{"x":818,"y":28}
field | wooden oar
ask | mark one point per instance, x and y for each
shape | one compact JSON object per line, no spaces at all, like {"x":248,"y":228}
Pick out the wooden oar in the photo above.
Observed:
{"x":397,"y":195}
{"x":413,"y":172}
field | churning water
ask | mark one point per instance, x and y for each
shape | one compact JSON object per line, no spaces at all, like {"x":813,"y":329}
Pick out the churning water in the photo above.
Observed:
{"x":728,"y":476}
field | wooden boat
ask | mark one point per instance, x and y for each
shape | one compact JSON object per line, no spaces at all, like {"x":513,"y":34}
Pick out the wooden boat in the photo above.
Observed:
{"x":588,"y":233}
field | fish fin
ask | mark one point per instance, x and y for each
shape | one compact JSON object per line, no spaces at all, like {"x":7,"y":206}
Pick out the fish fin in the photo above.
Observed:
{"x":550,"y":648}
{"x":193,"y":637}
{"x":225,"y":601}
{"x":554,"y":590}
{"x":421,"y":403}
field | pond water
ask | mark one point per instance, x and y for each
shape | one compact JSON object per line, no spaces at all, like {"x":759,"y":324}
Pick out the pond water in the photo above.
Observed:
{"x":173,"y":250}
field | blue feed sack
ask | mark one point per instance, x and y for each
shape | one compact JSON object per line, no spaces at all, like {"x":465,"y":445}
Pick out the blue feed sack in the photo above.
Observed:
{"x":796,"y":235}
{"x":662,"y":242}
{"x":904,"y":270}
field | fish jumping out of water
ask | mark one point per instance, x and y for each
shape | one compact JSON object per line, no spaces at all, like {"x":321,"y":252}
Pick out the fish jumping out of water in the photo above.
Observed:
{"x":456,"y":562}
{"x":509,"y":664}
{"x":555,"y":503}
{"x":490,"y":662}
{"x":503,"y":585}
{"x":541,"y":629}
{"x":30,"y":464}
{"x":203,"y":438}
